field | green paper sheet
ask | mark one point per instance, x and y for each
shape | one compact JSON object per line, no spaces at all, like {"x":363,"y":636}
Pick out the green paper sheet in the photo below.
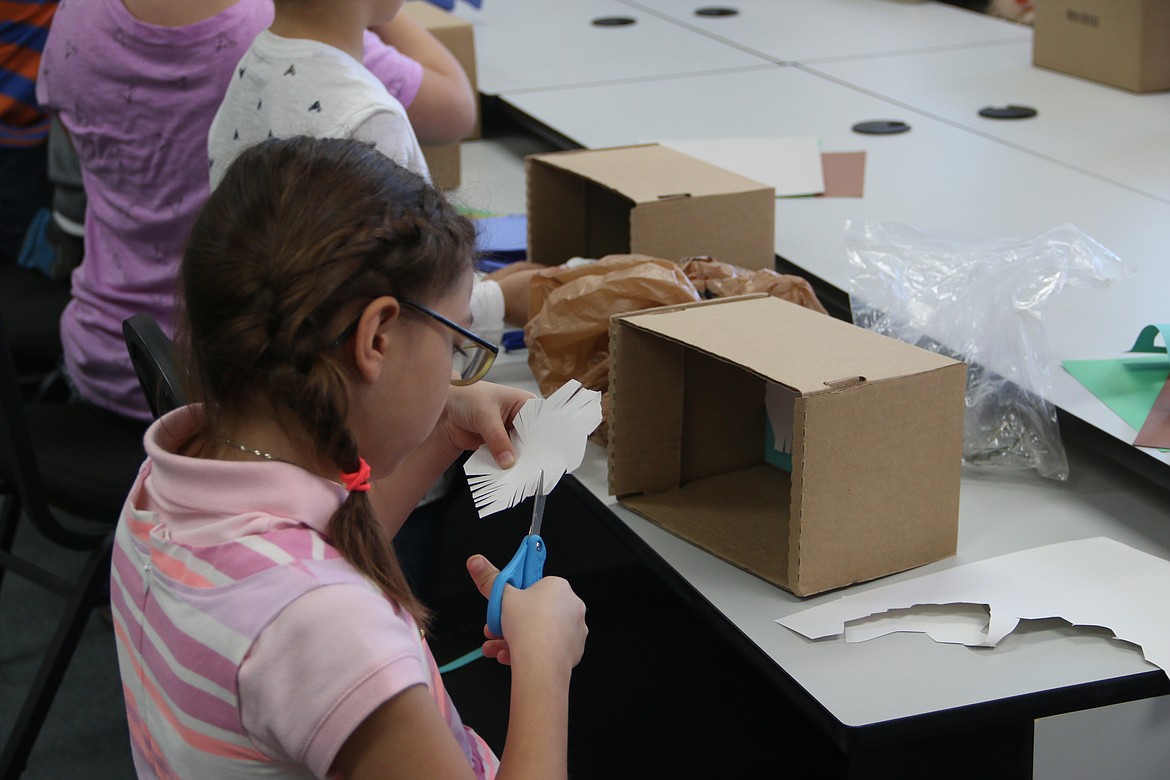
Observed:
{"x":1129,"y":386}
{"x":1133,"y":387}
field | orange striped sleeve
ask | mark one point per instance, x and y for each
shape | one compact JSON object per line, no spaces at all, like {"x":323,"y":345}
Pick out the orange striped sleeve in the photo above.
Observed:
{"x":24,"y":66}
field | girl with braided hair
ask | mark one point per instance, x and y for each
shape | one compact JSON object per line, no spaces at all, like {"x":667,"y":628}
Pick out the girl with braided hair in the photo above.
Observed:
{"x":264,"y":627}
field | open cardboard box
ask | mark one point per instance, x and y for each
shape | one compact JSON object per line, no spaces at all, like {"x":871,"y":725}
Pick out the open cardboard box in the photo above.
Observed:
{"x":875,"y":429}
{"x":445,"y":162}
{"x":647,"y":200}
{"x":1123,"y":43}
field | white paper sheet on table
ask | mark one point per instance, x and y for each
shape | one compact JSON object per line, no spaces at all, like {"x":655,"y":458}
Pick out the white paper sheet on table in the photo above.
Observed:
{"x":1088,"y":582}
{"x":548,"y":435}
{"x":792,"y":165}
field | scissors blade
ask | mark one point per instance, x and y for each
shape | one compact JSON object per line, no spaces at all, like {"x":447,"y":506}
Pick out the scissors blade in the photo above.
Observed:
{"x":537,"y":506}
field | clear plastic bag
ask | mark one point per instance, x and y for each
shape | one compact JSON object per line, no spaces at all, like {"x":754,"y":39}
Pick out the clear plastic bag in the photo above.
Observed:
{"x":980,"y":301}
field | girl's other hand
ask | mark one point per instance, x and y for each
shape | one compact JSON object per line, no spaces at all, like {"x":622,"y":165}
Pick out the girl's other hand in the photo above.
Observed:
{"x":481,"y":414}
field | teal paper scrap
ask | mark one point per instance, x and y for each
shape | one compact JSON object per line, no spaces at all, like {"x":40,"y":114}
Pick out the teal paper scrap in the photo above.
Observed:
{"x":1129,"y":386}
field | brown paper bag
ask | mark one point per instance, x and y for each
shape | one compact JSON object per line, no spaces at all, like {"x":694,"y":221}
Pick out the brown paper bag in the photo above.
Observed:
{"x":568,"y":333}
{"x":714,"y":279}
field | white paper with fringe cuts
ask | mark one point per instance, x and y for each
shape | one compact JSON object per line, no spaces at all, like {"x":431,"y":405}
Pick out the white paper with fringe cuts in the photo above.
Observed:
{"x":547,"y":434}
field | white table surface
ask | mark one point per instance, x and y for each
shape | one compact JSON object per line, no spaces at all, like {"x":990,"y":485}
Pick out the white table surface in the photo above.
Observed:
{"x":815,"y":30}
{"x":907,"y":675}
{"x":1118,"y":135}
{"x":522,"y":45}
{"x":937,"y":176}
{"x":942,"y":174}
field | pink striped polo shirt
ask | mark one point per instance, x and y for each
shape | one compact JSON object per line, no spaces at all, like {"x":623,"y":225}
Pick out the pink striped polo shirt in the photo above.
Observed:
{"x":248,"y":647}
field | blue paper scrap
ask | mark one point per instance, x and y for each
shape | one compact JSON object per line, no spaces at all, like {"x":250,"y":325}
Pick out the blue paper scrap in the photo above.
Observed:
{"x":449,"y":5}
{"x":502,"y":238}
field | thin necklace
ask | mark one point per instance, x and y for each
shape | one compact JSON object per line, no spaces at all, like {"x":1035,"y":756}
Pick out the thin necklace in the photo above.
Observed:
{"x":267,"y":456}
{"x":253,"y":451}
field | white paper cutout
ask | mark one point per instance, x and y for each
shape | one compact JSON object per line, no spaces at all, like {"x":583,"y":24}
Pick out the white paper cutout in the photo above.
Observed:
{"x":547,"y":434}
{"x":1088,"y":582}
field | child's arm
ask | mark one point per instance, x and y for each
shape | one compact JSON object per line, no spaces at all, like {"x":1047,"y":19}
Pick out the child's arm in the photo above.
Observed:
{"x":515,"y":282}
{"x":544,"y":639}
{"x":444,"y":110}
{"x":406,"y":737}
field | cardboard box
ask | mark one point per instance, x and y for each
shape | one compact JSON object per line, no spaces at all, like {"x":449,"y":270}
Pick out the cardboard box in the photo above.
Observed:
{"x":874,"y":433}
{"x":645,"y":199}
{"x":1125,"y":43}
{"x":445,"y":162}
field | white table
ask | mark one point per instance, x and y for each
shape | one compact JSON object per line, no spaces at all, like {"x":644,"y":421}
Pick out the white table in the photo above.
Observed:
{"x":936,"y":177}
{"x":945,"y":174}
{"x":523,"y":45}
{"x":1107,"y":132}
{"x":815,"y":30}
{"x":906,"y":684}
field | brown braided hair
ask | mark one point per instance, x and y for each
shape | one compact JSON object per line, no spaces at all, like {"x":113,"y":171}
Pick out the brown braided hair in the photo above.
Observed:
{"x":300,"y":235}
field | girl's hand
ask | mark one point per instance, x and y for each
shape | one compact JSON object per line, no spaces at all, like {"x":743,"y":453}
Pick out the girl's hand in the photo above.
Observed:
{"x":481,"y":413}
{"x":545,"y":622}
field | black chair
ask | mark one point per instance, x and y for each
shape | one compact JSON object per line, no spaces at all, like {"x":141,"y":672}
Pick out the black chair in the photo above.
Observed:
{"x":32,"y":304}
{"x":152,"y":354}
{"x":67,"y":469}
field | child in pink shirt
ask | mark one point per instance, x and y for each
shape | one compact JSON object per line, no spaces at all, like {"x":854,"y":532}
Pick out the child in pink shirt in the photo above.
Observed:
{"x":264,"y":627}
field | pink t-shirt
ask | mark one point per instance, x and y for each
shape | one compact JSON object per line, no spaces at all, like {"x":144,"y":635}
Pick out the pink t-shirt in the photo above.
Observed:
{"x":248,"y":647}
{"x":137,"y":100}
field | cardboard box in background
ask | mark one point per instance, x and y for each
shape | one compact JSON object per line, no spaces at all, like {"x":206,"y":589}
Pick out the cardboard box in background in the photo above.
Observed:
{"x":645,"y":199}
{"x":446,"y":166}
{"x":458,"y":36}
{"x":874,"y":437}
{"x":1124,"y":43}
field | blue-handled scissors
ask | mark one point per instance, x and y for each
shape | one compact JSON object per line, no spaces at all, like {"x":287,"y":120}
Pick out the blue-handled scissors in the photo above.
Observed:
{"x":526,"y":566}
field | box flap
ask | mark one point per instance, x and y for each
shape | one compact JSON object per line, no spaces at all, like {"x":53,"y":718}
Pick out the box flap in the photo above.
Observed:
{"x":786,"y":343}
{"x":650,"y":173}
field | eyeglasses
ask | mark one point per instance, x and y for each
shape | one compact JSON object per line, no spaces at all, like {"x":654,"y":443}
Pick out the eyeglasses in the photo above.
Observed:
{"x":470,"y":359}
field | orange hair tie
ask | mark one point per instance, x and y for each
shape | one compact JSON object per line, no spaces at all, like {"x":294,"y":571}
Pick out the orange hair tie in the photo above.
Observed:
{"x":357,"y":480}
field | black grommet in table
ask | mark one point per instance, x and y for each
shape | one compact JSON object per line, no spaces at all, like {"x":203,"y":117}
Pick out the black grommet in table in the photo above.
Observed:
{"x":881,"y":127}
{"x":716,"y":10}
{"x":613,"y":21}
{"x":1008,"y":112}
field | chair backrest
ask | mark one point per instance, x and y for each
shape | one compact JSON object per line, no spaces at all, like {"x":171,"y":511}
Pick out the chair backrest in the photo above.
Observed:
{"x":152,"y":354}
